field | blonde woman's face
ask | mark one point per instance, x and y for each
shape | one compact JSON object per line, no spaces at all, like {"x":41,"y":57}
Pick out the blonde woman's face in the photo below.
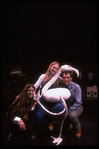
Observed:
{"x":54,"y":68}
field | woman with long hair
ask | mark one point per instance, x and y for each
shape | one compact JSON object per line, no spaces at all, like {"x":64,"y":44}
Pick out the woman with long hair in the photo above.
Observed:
{"x":55,"y":107}
{"x":44,"y":78}
{"x":19,"y":110}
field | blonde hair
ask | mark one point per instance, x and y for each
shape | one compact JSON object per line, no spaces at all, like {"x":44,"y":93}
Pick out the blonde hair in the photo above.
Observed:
{"x":48,"y":73}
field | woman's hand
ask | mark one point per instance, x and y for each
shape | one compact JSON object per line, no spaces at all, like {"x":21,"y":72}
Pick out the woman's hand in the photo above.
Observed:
{"x":22,"y":125}
{"x":36,"y":102}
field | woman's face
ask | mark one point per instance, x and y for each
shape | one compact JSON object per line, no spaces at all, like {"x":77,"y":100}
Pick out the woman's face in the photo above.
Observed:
{"x":54,"y":68}
{"x":30,"y":92}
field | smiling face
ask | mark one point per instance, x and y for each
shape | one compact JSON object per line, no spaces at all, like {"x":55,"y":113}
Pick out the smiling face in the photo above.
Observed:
{"x":54,"y":68}
{"x":67,"y":78}
{"x":30,"y":92}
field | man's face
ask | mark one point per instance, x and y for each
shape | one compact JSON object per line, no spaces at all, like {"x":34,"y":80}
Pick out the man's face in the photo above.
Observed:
{"x":67,"y":78}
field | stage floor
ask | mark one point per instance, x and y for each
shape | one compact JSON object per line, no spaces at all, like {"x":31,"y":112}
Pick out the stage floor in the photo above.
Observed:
{"x":89,"y":123}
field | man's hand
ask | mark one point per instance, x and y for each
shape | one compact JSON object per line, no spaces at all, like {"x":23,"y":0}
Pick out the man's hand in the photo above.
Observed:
{"x":22,"y":125}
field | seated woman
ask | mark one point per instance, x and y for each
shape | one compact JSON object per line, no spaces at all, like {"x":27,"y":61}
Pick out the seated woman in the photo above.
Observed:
{"x":19,"y":112}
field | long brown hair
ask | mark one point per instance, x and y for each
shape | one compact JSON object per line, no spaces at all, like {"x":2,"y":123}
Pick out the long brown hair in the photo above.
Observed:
{"x":20,"y":107}
{"x":47,"y":74}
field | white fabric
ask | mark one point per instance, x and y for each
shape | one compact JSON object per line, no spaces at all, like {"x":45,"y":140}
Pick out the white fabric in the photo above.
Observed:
{"x":16,"y":120}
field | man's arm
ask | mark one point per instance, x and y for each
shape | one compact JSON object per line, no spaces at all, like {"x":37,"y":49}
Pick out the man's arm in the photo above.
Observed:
{"x":78,"y":98}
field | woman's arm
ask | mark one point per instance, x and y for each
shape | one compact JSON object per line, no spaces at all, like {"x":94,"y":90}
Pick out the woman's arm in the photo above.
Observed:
{"x":17,"y":120}
{"x":22,"y":125}
{"x":39,"y":81}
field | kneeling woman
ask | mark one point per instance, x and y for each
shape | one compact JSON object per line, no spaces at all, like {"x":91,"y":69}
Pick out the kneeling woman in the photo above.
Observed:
{"x":19,"y":112}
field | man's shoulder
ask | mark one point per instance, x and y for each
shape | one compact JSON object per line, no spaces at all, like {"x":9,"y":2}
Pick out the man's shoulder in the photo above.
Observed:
{"x":75,"y":84}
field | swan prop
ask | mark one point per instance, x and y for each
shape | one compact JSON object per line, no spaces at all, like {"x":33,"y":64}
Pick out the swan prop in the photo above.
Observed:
{"x":56,"y":95}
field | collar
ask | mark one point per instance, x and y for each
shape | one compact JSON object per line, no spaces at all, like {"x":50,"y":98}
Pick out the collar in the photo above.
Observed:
{"x":70,"y":85}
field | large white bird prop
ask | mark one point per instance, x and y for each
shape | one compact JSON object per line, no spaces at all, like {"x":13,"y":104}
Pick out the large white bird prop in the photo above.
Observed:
{"x":56,"y":95}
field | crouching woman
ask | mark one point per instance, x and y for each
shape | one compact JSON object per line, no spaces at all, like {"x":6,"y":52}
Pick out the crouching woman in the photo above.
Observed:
{"x":19,"y":112}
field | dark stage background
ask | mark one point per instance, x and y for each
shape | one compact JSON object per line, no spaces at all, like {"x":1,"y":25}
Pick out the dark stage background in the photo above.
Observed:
{"x":34,"y":34}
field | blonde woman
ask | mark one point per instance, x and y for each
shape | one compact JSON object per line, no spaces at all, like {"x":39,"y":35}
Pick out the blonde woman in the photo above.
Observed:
{"x":54,"y":107}
{"x":44,"y":78}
